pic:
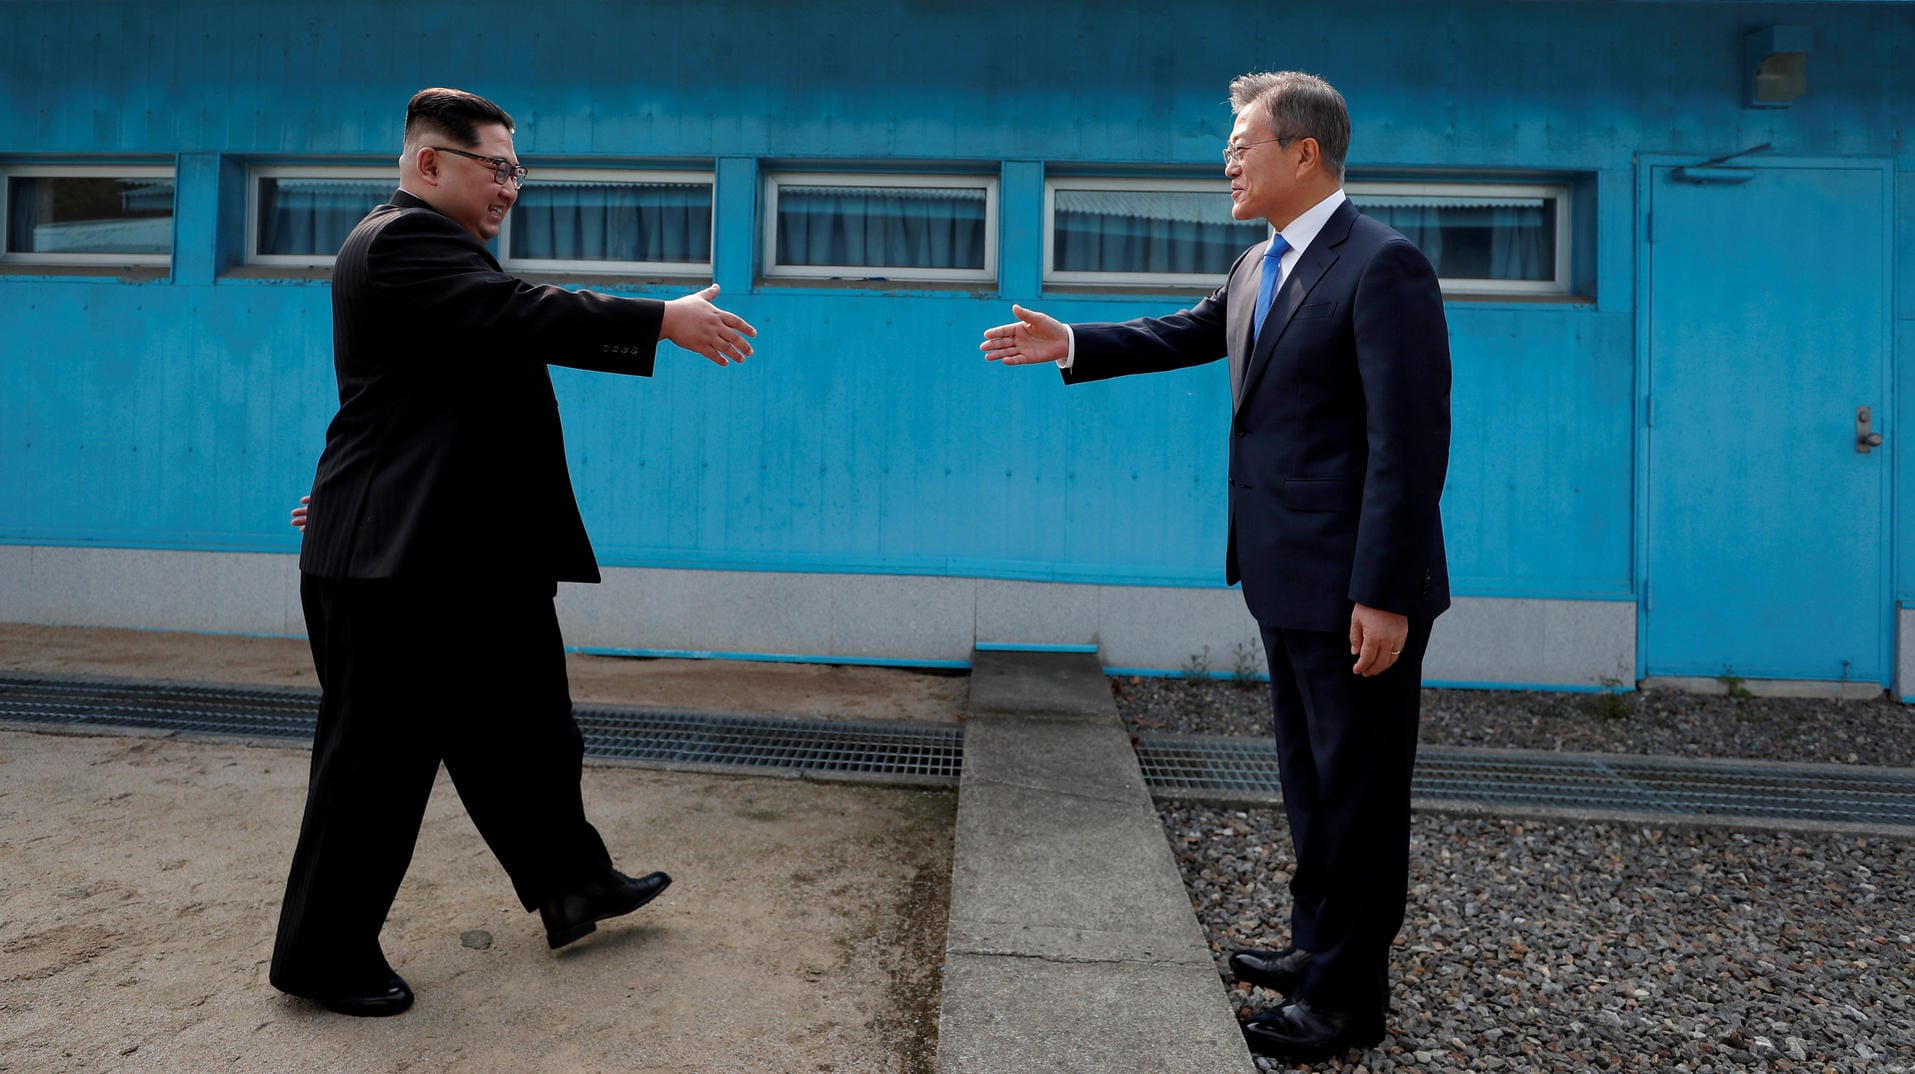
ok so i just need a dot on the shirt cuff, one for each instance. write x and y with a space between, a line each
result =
1070 350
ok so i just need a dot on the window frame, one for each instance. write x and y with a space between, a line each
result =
775 181
1179 281
1559 191
8 173
259 172
630 176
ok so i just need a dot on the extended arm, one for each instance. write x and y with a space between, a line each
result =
1114 349
1144 345
426 265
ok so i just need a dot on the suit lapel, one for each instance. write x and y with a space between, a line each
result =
1316 260
1241 302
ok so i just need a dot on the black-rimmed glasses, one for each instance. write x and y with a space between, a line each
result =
502 169
1233 154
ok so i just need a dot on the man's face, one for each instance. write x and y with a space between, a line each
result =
1264 181
467 190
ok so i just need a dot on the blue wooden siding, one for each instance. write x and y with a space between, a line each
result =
868 435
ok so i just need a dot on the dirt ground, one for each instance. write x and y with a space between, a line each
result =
140 879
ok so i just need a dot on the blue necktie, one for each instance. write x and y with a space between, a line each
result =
1267 287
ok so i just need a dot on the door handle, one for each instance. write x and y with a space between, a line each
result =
1865 440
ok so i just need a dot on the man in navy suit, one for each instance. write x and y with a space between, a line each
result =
1339 439
441 520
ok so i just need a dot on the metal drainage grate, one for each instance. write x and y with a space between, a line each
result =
1174 767
815 747
213 710
1198 767
908 752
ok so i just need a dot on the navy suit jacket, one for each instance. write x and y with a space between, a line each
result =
1340 425
446 458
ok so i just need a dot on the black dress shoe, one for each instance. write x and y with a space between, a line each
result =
1281 971
569 917
394 998
1300 1033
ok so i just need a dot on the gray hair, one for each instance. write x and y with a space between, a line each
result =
1298 105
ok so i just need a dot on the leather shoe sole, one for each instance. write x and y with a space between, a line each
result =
1280 971
576 915
395 998
1310 1036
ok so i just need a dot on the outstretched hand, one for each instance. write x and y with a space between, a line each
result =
299 513
695 324
1034 337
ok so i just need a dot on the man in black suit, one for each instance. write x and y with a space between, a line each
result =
1340 377
442 518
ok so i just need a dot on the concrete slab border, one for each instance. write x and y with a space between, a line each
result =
1072 945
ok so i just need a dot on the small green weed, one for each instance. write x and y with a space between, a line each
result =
1732 684
1197 667
1608 703
1245 673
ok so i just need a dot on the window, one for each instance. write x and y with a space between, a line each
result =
881 227
1142 232
576 220
301 216
1483 238
87 215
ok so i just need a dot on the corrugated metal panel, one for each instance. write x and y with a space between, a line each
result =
868 435
1466 83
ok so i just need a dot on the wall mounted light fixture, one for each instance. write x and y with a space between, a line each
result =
1775 65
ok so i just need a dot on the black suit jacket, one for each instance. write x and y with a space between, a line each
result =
1340 424
446 457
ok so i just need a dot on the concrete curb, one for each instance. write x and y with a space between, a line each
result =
1072 945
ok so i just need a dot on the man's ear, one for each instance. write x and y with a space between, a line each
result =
426 164
1309 155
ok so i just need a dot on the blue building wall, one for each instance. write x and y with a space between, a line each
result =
187 410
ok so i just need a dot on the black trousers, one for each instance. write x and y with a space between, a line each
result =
1346 748
413 673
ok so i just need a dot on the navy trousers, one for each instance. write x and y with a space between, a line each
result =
1346 747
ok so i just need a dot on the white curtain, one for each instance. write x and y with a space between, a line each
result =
613 221
881 227
1150 231
313 216
1474 238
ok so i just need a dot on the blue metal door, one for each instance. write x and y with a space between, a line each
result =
1765 529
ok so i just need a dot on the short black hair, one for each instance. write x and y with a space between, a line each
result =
451 114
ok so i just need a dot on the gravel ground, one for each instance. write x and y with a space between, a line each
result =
1567 946
1663 722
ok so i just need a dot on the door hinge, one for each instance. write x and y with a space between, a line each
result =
1648 411
1648 597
